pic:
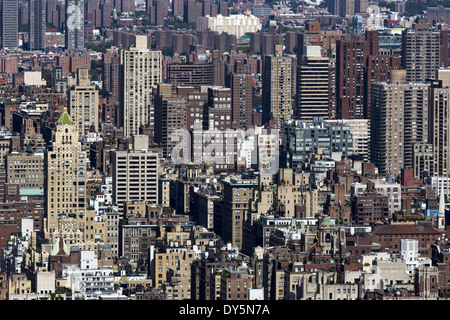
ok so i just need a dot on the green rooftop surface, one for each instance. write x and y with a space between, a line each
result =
65 118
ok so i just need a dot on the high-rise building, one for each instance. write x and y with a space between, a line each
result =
377 69
314 36
83 104
301 138
343 8
106 12
182 42
157 11
65 175
10 23
197 74
291 41
420 52
135 173
277 87
438 15
170 115
264 42
26 169
230 214
37 24
141 69
196 107
126 6
399 122
439 124
219 108
74 24
445 46
350 60
326 39
111 74
192 10
360 131
178 8
240 84
313 86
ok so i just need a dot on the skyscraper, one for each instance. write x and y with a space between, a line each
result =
65 173
170 115
241 95
135 173
313 86
141 69
74 24
420 52
326 39
10 23
37 24
231 213
377 69
277 87
350 60
439 124
83 104
111 74
178 8
399 122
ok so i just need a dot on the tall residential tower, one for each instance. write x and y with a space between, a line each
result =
141 69
277 87
83 104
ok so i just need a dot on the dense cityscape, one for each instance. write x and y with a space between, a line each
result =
224 150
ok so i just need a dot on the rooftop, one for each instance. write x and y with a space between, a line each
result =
65 118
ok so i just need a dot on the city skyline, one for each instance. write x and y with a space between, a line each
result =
210 150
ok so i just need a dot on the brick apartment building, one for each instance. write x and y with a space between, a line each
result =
390 235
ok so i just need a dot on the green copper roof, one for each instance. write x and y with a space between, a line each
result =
326 220
57 247
65 117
